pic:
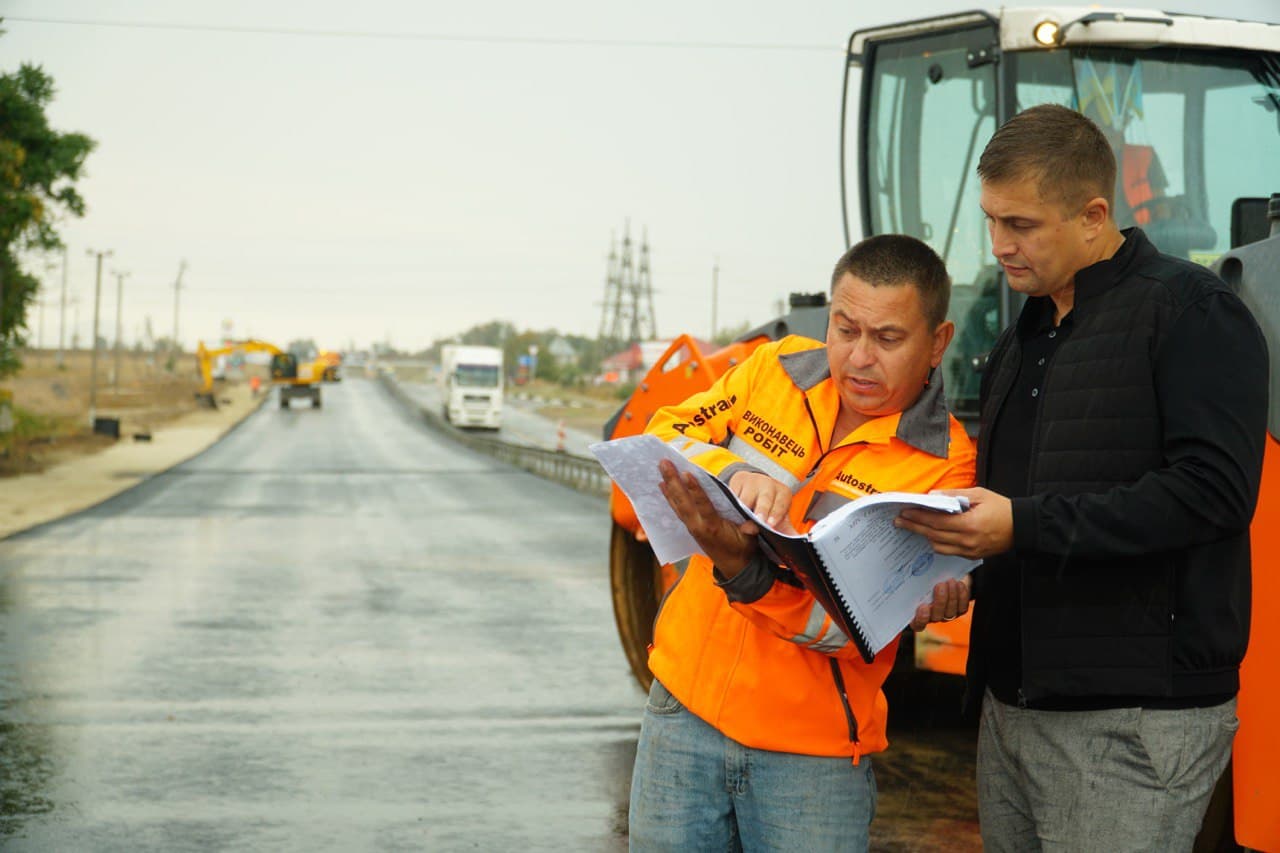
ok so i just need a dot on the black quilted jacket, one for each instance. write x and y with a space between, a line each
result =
1133 547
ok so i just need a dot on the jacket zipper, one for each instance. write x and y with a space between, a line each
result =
1035 441
1031 457
836 675
817 434
984 448
844 699
822 452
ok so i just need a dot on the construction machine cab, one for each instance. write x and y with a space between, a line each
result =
284 365
1191 107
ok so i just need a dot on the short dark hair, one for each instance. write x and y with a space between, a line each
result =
895 260
1066 154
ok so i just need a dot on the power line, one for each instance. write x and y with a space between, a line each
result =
541 41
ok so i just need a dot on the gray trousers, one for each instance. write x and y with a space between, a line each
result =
1125 779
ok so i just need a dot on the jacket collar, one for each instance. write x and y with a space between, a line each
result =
925 424
1095 279
1100 277
807 367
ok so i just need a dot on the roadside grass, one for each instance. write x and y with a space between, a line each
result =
23 450
51 394
586 408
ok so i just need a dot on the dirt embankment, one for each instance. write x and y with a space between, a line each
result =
51 403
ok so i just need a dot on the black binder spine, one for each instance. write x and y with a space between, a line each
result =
803 559
849 623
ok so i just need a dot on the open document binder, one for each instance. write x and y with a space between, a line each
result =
867 574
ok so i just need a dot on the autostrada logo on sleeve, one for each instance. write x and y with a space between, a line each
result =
706 414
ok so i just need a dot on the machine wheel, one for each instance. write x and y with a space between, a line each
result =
635 579
315 400
284 401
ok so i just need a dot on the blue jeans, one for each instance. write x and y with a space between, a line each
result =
694 789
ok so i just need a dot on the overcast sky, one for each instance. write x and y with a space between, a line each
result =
359 187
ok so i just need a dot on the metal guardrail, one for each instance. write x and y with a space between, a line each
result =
585 475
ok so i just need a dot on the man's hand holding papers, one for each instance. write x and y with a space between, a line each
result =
729 546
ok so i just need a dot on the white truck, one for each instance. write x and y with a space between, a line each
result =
471 385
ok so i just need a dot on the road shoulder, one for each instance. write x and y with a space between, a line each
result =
77 484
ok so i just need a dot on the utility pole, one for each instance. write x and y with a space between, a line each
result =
630 329
628 297
177 288
115 367
93 359
75 322
643 290
42 302
611 318
715 286
62 313
40 316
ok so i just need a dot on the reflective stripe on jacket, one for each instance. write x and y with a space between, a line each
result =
756 656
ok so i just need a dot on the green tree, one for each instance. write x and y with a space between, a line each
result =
491 334
514 344
38 171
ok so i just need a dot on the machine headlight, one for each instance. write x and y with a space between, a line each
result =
1047 33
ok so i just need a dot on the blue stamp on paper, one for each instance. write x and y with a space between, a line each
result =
921 563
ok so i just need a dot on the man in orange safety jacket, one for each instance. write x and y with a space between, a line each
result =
762 712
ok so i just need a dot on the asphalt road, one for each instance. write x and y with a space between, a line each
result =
335 630
331 631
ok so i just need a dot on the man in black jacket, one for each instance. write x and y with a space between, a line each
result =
1123 425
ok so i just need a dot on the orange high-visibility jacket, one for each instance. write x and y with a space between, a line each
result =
757 657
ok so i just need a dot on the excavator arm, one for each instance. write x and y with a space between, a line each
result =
206 357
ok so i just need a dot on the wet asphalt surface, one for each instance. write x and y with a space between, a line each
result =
331 631
335 630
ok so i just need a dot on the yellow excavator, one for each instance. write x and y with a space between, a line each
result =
292 380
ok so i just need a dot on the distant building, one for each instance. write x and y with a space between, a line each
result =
563 354
634 362
622 366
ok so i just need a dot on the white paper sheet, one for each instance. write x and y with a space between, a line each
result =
632 462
